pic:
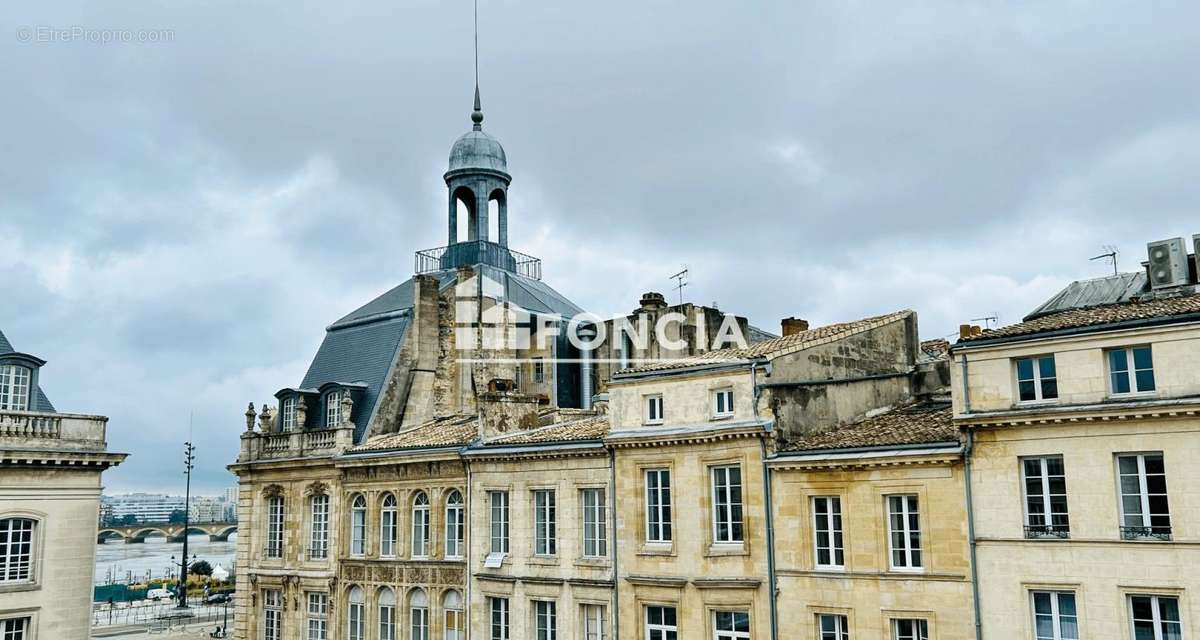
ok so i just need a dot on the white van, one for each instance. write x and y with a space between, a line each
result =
159 594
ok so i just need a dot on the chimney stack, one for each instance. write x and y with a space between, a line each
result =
792 326
652 300
969 330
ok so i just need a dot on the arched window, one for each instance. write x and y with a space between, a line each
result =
333 409
14 387
455 524
420 525
274 548
387 527
418 614
358 526
16 550
355 615
318 548
452 604
387 614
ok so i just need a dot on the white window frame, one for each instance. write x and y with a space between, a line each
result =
275 516
387 614
318 527
16 383
1044 497
545 539
272 614
652 408
545 619
19 558
498 618
333 409
498 521
1130 372
662 630
317 615
418 615
1037 379
910 565
539 370
730 634
454 619
722 403
919 629
833 530
388 526
1143 495
728 504
841 626
455 524
356 614
594 505
358 526
420 525
595 621
1056 616
659 525
287 413
1156 612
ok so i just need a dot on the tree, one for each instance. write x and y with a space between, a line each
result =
177 516
127 519
201 568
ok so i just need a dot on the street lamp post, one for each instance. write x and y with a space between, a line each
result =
188 459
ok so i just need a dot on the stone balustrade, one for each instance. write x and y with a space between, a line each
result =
34 429
257 445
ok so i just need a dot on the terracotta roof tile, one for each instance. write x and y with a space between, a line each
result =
1096 316
777 346
591 427
447 431
922 423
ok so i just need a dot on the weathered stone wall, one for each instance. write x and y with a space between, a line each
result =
687 399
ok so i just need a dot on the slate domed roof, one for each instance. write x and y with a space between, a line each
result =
477 150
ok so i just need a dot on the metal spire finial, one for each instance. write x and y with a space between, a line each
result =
477 114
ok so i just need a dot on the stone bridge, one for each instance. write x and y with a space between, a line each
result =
216 531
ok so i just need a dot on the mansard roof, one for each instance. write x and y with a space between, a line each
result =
913 424
39 401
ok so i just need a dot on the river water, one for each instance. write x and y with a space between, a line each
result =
115 560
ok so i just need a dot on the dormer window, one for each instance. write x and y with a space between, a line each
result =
333 408
287 412
14 387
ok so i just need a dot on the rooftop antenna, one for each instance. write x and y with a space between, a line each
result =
988 321
680 281
1110 254
477 114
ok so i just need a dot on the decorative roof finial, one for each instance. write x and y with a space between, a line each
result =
477 114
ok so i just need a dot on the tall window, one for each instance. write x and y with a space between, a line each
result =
387 526
658 505
1045 498
1144 509
832 627
1036 379
1155 618
539 370
661 624
594 622
272 614
722 403
654 409
1054 616
595 530
14 387
318 548
318 616
731 625
418 615
358 526
456 524
274 527
727 504
498 507
355 614
904 529
287 414
499 613
545 614
910 629
420 525
544 523
16 550
333 409
14 629
452 606
827 532
1131 370
387 614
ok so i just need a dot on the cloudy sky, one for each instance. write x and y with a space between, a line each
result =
180 220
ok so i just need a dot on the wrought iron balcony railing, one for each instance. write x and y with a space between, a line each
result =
1047 531
472 252
1145 533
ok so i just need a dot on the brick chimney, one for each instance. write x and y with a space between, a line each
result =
792 326
969 330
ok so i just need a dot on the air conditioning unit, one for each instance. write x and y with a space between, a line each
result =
1168 263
